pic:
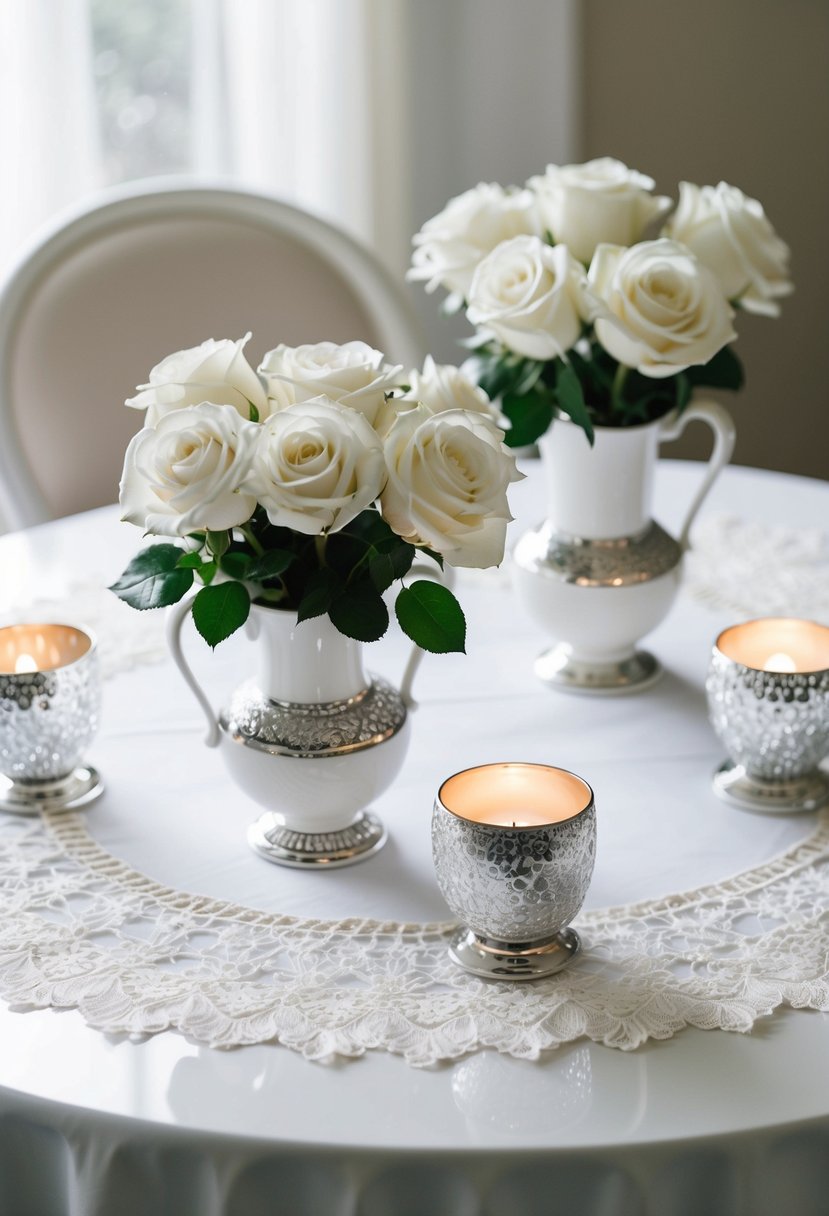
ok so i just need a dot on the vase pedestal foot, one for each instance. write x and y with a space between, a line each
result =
800 794
324 850
562 669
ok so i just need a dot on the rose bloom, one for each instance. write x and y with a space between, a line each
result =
600 202
531 297
730 234
184 475
440 387
214 371
316 465
450 245
448 476
666 311
353 374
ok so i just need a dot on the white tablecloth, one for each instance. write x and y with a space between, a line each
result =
742 1116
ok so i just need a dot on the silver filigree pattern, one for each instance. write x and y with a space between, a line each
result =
620 562
776 725
48 719
510 884
325 729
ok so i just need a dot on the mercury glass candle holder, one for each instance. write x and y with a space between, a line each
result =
514 847
50 699
768 701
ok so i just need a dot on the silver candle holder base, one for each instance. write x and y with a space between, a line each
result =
513 960
560 668
797 795
324 850
28 797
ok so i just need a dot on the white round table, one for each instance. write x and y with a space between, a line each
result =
703 1123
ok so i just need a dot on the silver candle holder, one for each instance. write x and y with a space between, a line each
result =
768 701
514 847
50 700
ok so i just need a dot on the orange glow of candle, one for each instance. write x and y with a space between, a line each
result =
516 795
30 648
777 644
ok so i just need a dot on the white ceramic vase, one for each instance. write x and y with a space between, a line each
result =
311 738
599 573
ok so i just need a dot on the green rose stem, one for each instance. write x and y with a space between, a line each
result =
617 403
319 544
257 547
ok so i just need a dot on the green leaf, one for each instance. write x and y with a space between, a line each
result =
218 543
723 371
529 415
320 589
496 375
360 613
254 412
189 561
235 563
570 396
436 557
208 572
431 616
270 565
385 568
153 579
219 611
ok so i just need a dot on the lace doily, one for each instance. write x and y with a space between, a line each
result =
126 638
79 929
754 570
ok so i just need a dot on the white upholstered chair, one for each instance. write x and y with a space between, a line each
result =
113 288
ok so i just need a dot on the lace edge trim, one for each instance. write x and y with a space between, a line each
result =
70 831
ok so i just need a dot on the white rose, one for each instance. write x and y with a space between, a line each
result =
214 371
185 474
353 374
440 387
666 310
448 476
601 202
531 297
731 235
450 245
316 466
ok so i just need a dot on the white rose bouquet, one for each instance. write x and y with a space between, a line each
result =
575 311
311 485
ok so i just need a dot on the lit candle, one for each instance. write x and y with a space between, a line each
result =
31 648
777 644
516 795
50 694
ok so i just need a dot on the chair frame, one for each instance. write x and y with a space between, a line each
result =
381 297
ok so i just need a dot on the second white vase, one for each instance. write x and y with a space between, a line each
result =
599 573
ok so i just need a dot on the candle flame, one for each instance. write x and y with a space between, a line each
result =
779 662
24 663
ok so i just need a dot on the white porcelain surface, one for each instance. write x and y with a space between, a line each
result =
172 811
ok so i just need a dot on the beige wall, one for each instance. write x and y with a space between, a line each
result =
739 90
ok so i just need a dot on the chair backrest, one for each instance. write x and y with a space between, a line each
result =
112 289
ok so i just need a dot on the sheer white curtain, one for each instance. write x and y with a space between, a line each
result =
49 147
301 98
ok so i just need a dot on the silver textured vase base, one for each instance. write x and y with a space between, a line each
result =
308 850
734 785
82 786
561 669
528 961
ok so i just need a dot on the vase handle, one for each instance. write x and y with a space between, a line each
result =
176 616
717 417
446 576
